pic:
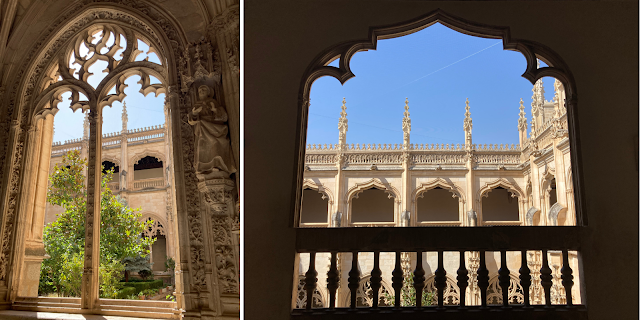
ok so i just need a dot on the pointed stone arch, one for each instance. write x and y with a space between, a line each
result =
148 152
33 97
512 187
438 182
354 191
320 187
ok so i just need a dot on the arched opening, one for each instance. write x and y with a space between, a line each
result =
500 205
315 207
115 177
437 204
372 205
148 173
91 190
553 195
470 164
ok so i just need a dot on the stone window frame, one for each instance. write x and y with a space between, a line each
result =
326 193
446 185
37 111
375 183
515 192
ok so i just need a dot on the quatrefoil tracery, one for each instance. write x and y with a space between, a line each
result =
124 54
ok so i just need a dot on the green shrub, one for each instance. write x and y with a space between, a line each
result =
110 275
125 293
144 285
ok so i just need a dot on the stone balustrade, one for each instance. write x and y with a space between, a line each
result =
148 183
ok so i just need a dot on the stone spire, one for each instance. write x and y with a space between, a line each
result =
343 125
467 125
85 125
406 124
538 99
522 121
125 117
522 124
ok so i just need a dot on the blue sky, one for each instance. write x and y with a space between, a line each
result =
142 111
437 69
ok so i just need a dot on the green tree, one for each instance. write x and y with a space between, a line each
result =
408 294
120 226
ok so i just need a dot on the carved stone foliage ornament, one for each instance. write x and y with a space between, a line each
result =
213 149
218 195
63 66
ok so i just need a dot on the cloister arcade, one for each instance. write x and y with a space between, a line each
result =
443 186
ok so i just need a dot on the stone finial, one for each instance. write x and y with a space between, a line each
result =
125 118
406 124
343 124
537 97
522 121
85 125
468 124
557 104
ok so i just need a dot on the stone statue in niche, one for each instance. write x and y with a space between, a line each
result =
213 149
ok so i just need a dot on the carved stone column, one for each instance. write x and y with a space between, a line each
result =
34 252
221 221
92 220
225 28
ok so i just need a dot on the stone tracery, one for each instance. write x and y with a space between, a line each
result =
45 69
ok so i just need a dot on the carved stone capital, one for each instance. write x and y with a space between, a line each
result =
218 195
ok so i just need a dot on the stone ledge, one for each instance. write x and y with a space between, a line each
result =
20 315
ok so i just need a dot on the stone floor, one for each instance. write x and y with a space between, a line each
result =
20 315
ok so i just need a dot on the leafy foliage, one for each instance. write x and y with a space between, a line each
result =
110 275
120 229
408 294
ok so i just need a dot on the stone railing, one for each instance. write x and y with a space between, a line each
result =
61 151
111 143
148 183
146 137
114 186
475 242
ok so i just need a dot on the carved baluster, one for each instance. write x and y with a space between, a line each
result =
310 280
504 278
376 279
440 279
333 280
463 279
567 276
397 279
545 278
418 280
525 277
483 279
354 279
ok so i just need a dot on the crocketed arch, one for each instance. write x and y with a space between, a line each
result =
501 182
151 153
358 188
111 159
56 77
321 188
438 182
